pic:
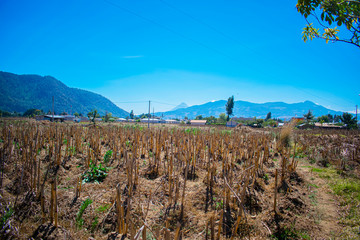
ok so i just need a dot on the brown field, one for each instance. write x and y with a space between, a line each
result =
125 181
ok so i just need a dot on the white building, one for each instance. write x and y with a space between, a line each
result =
172 121
198 122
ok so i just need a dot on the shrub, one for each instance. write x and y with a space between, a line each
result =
95 173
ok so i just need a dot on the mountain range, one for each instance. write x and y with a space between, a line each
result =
22 92
248 109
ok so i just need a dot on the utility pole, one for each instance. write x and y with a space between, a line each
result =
153 115
356 115
149 116
53 109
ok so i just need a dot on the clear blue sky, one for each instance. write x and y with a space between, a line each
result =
132 51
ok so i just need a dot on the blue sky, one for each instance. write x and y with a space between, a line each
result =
169 52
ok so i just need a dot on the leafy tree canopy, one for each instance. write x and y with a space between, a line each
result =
210 120
200 117
222 118
324 118
93 114
327 13
32 112
349 120
107 117
5 114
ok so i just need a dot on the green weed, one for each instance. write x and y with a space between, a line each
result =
79 220
94 224
6 216
313 185
95 173
103 208
266 177
108 156
313 199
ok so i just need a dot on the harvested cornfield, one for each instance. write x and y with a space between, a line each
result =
113 181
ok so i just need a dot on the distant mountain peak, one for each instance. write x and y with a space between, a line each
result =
181 105
248 109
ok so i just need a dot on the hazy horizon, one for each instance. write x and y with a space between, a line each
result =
171 52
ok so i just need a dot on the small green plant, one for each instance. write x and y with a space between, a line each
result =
285 233
108 156
266 177
103 208
304 235
313 185
79 219
219 205
95 173
94 224
72 150
312 197
6 216
127 143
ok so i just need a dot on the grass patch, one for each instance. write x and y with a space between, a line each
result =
318 170
348 188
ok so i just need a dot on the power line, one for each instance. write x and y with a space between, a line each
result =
202 44
171 30
205 24
235 40
165 103
132 102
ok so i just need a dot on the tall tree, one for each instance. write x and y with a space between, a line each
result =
349 120
132 114
268 116
309 116
107 117
229 107
325 13
92 115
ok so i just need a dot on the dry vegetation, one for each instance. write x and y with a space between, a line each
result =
70 181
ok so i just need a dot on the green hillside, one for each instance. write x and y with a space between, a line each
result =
21 92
